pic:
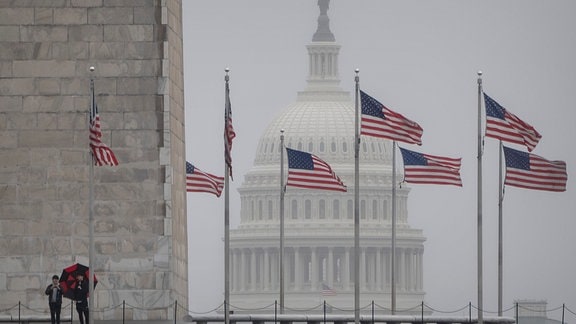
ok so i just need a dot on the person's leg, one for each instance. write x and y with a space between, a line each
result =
57 310
52 314
86 315
80 315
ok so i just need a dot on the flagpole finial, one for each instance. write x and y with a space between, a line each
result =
92 69
479 73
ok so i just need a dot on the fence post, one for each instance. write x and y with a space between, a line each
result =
563 306
516 313
123 311
175 310
422 312
324 312
19 313
275 311
372 311
469 312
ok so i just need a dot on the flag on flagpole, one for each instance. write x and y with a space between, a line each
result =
229 133
530 171
306 170
379 121
327 291
430 169
505 126
200 181
101 152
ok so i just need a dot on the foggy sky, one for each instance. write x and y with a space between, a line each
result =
419 59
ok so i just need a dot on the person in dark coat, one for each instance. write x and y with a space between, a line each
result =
54 292
81 298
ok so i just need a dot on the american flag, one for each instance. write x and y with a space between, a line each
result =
306 170
229 133
379 121
101 152
430 169
199 181
530 171
505 126
327 291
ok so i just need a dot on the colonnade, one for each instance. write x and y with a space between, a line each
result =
309 268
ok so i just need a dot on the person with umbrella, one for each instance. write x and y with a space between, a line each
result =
54 292
81 297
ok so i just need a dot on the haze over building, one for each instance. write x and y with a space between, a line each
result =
319 225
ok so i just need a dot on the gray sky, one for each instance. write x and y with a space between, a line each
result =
419 58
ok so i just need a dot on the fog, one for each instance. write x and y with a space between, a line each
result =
419 58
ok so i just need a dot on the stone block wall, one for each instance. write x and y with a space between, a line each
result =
46 49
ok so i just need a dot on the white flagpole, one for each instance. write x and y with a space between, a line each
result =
281 251
393 256
91 251
226 211
500 224
356 202
479 200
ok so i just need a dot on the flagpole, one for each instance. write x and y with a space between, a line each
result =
356 201
479 200
281 251
393 256
91 251
500 217
226 210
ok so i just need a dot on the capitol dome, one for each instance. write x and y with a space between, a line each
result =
319 224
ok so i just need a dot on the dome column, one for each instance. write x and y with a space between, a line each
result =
378 269
252 269
346 269
330 265
297 269
266 269
314 269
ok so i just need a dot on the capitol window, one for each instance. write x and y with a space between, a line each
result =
322 209
260 210
350 209
308 209
336 208
374 209
270 212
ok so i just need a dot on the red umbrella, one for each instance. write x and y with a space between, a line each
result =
68 278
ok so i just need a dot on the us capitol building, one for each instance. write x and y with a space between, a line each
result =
319 225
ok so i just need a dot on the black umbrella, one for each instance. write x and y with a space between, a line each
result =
68 278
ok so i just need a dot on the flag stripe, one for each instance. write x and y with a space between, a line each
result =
101 153
200 181
505 126
229 133
327 291
305 170
530 171
379 121
431 169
